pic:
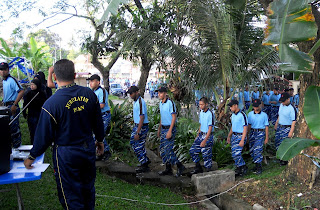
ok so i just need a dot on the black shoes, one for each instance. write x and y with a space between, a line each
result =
143 167
167 171
197 170
180 169
241 171
106 155
258 169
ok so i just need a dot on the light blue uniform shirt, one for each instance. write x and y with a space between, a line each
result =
11 88
276 98
258 121
266 99
206 119
287 114
240 96
296 100
238 121
198 94
100 95
140 108
255 95
246 95
167 109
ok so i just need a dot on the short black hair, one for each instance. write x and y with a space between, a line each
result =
64 70
204 100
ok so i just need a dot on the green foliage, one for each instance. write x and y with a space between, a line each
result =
311 110
289 148
154 121
121 126
291 21
221 152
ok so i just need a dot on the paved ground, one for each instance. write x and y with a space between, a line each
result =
147 98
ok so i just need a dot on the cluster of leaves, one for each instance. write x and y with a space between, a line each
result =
120 126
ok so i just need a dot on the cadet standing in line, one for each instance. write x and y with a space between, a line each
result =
266 106
167 131
12 94
102 95
246 95
291 90
204 140
237 137
140 129
296 99
274 101
286 121
68 119
241 100
259 133
255 94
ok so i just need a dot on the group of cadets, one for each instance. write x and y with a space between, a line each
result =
75 119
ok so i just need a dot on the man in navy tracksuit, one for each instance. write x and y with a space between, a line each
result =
68 119
286 121
12 94
167 131
140 129
102 95
237 137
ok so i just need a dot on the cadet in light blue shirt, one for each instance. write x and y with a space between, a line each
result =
266 106
255 94
237 137
12 94
274 101
204 140
241 100
296 99
102 96
140 129
286 121
246 95
167 132
259 134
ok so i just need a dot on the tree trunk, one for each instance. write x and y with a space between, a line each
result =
301 168
145 69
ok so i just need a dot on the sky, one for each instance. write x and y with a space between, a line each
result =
65 30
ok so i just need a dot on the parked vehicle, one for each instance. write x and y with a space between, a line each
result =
116 89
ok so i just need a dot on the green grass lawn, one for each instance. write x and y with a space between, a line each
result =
42 194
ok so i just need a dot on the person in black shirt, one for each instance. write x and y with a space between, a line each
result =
34 107
68 119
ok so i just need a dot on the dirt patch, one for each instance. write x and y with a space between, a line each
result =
277 193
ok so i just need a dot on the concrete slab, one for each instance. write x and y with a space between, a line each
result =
213 182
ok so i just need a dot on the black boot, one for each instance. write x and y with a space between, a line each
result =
167 171
208 169
180 169
198 169
143 167
244 170
238 171
283 163
258 169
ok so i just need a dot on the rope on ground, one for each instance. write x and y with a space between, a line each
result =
313 159
175 204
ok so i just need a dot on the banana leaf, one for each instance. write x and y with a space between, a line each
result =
289 148
291 21
311 110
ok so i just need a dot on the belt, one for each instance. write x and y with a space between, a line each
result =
267 105
258 129
247 101
284 126
202 133
144 124
165 126
8 103
235 133
106 112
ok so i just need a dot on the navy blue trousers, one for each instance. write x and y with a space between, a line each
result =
138 146
206 151
237 150
15 129
166 147
256 141
75 172
274 114
267 110
281 134
106 118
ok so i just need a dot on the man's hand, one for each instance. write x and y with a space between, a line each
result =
100 148
28 163
158 133
136 137
203 143
13 110
290 134
241 144
51 70
275 127
169 135
228 140
266 141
